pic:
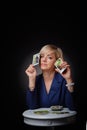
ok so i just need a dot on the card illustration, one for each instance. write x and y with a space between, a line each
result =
36 58
58 63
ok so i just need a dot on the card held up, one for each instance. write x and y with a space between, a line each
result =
58 65
36 58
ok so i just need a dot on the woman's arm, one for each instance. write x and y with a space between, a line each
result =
31 73
32 99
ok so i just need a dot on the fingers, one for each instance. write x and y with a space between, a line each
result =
63 68
65 65
30 69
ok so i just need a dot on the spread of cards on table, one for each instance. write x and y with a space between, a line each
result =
36 58
53 110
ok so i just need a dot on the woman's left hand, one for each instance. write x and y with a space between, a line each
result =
67 72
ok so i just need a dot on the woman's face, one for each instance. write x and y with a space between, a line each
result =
47 60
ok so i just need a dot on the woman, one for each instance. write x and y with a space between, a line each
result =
50 87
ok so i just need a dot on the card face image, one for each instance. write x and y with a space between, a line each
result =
58 63
36 58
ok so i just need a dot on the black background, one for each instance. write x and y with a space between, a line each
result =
24 36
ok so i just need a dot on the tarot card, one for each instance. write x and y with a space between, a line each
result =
58 63
36 58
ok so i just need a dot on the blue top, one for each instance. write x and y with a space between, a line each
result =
58 94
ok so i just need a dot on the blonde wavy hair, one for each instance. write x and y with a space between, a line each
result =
56 50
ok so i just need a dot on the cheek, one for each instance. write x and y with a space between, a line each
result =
51 64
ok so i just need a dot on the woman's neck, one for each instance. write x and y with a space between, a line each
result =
48 75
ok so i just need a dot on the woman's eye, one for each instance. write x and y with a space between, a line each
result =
49 57
41 56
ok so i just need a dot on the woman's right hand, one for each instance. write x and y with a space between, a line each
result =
31 73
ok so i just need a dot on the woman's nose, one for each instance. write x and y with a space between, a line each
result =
44 58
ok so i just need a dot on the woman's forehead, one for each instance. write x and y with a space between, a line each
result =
48 52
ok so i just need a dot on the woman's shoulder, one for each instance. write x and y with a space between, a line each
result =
59 77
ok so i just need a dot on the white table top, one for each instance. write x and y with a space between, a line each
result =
52 118
50 115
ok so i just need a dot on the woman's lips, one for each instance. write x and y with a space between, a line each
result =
42 64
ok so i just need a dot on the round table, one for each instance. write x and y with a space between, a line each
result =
51 118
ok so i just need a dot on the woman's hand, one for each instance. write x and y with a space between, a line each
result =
31 73
67 74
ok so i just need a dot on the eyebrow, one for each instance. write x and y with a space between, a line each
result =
48 53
